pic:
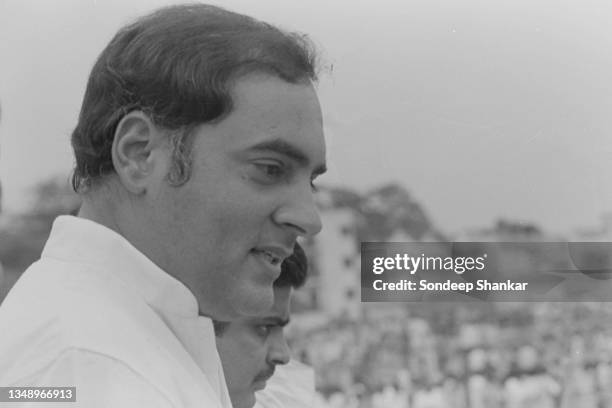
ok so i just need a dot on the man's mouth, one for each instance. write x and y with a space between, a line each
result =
267 256
272 255
261 379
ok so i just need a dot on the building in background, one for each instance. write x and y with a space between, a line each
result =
385 214
338 263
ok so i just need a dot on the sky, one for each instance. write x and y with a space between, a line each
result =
481 108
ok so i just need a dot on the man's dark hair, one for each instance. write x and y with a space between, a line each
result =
178 66
294 271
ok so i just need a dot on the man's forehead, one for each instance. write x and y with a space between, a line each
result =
279 313
272 115
267 95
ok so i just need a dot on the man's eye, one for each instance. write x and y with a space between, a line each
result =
271 171
263 330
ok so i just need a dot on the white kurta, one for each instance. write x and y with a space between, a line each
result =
97 314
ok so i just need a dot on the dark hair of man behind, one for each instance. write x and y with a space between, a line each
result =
177 66
294 269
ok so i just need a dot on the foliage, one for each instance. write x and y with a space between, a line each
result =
385 212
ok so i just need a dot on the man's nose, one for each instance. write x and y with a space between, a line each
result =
279 351
300 213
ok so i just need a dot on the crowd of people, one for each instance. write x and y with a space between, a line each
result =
538 355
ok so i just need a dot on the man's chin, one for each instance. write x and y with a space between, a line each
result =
246 400
254 300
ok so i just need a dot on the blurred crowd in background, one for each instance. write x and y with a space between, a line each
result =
531 355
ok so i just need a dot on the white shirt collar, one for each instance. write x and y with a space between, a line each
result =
96 244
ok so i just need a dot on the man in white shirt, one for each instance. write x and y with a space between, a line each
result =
197 143
254 350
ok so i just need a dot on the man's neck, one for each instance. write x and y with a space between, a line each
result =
93 211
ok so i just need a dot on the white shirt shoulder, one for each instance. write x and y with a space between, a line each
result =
100 382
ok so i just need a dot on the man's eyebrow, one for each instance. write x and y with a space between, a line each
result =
287 149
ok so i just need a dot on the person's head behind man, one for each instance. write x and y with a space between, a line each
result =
198 140
250 347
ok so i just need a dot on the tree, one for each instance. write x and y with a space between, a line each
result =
391 209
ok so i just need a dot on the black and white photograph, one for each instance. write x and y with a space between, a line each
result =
318 204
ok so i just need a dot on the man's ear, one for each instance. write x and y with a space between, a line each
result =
137 151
